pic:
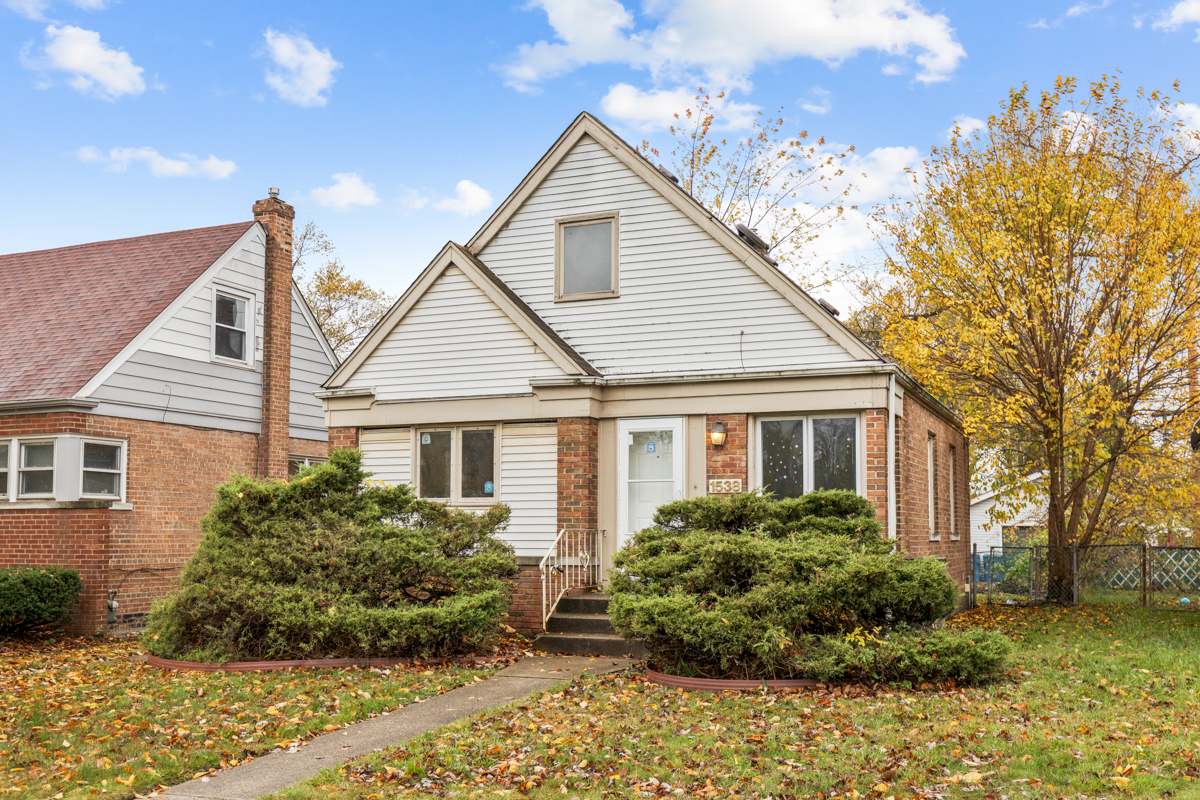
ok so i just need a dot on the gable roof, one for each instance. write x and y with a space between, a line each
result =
69 311
587 125
513 307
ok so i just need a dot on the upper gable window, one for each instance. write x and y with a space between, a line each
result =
586 255
231 334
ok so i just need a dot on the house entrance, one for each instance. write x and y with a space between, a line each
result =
649 470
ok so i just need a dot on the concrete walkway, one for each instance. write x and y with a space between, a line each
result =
279 770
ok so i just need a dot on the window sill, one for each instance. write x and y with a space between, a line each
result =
231 362
22 505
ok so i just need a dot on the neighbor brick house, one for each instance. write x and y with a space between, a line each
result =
137 375
574 359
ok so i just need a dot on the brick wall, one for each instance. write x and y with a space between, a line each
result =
875 471
732 459
525 613
276 217
171 473
343 438
578 468
912 489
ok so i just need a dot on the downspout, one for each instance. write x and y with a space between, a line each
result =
891 456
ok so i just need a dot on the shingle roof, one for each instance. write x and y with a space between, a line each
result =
67 312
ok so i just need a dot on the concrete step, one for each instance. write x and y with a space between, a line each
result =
591 603
589 644
579 623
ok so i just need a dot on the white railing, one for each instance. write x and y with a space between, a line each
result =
572 562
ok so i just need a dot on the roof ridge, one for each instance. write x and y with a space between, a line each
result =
63 248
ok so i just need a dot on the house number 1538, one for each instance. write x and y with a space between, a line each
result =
725 486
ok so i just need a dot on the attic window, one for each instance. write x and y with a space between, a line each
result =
586 255
232 314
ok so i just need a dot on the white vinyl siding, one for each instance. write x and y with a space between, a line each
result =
311 367
685 300
173 378
529 485
528 477
388 454
454 342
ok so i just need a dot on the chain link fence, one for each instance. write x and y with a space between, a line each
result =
1130 574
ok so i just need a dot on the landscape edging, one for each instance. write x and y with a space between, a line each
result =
724 685
265 666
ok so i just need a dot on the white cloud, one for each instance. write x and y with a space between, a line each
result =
94 67
1182 13
1082 7
724 41
185 166
893 69
656 109
411 199
305 73
348 189
967 126
469 199
1041 23
1189 114
36 9
818 101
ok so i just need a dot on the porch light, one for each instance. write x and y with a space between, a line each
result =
718 434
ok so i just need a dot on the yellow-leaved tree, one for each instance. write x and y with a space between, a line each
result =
787 189
1046 286
346 308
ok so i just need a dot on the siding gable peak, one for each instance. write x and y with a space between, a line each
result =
454 263
588 126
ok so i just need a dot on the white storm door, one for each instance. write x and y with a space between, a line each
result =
650 459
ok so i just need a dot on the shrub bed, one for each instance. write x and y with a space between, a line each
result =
326 565
749 587
36 597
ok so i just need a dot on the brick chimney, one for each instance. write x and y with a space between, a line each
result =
276 218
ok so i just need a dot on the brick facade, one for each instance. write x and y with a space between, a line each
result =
875 470
343 438
171 472
578 473
525 611
732 459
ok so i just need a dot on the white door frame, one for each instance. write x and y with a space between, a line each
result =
678 428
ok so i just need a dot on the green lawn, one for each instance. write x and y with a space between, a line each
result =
79 717
1100 702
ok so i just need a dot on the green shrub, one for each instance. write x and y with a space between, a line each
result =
36 597
326 565
750 587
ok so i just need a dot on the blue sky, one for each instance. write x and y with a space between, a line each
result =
396 126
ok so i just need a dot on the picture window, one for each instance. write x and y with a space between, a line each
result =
457 465
804 454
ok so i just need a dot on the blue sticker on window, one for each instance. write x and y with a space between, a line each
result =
489 487
649 447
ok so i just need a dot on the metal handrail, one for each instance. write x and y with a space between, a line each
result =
572 562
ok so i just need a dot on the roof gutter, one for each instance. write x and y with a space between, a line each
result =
55 405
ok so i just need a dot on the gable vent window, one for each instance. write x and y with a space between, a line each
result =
37 469
586 255
231 331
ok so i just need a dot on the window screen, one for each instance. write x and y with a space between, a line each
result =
434 455
37 468
230 331
783 457
587 263
479 463
101 469
834 454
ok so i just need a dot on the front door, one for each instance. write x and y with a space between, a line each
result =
650 459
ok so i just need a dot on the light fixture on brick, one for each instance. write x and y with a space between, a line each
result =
718 434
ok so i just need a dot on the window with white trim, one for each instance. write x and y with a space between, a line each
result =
297 463
4 447
36 470
103 470
931 481
587 253
232 328
457 464
802 454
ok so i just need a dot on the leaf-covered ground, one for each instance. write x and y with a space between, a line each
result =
1100 703
80 717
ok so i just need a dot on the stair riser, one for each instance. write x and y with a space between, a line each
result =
596 624
583 604
583 646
